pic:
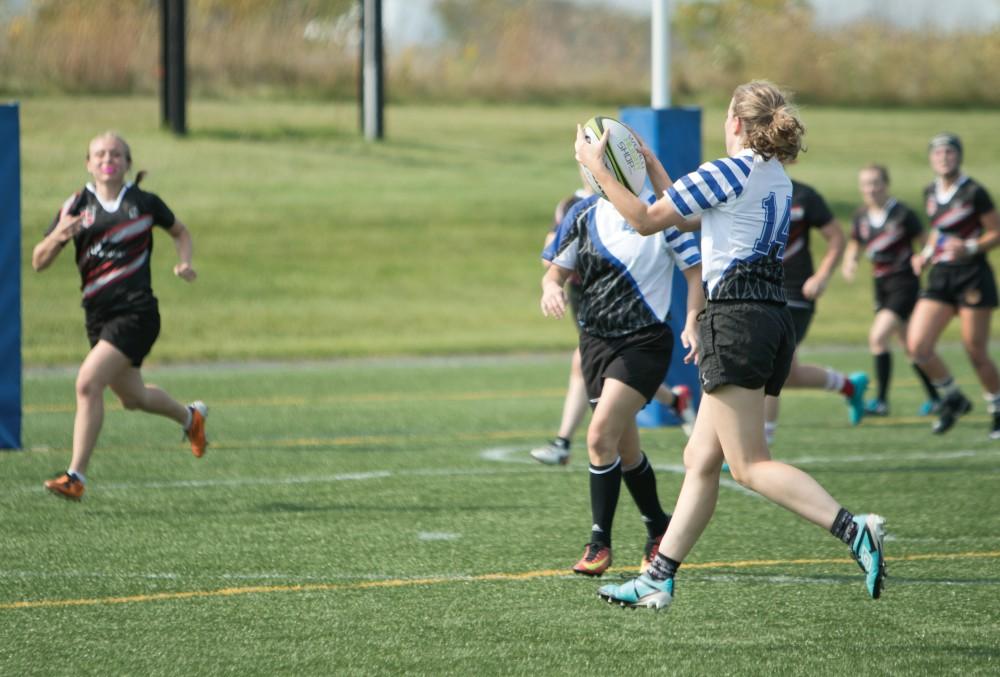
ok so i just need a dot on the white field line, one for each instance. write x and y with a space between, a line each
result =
292 579
508 455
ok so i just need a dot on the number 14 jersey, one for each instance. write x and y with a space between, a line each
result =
744 202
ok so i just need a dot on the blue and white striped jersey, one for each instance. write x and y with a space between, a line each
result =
627 278
744 202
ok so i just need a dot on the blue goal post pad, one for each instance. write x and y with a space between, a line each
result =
674 135
10 277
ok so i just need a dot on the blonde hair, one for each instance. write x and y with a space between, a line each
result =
771 124
128 150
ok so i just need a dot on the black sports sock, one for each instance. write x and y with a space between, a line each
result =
929 388
844 527
662 568
605 485
641 483
883 372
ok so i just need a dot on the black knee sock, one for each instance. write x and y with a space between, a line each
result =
932 393
605 485
662 568
641 483
844 527
883 372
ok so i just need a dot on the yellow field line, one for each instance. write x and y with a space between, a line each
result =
301 401
409 582
354 440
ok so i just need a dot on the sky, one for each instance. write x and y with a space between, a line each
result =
910 13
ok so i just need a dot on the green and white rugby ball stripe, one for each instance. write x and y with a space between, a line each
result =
621 157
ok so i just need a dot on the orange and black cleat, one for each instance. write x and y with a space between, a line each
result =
196 431
595 561
66 486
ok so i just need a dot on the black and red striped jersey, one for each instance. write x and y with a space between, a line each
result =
115 244
809 210
956 212
887 236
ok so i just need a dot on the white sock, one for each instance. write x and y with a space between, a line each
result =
187 426
946 387
770 428
992 402
834 380
77 475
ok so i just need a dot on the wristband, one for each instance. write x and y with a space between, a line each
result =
972 246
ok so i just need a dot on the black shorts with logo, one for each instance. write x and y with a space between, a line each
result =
966 285
639 360
746 343
132 332
897 292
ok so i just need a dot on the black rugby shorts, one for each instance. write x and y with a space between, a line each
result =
639 360
132 333
747 344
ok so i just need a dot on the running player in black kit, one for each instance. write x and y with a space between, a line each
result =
964 226
804 284
885 229
110 223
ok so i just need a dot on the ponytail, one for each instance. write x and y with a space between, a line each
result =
770 122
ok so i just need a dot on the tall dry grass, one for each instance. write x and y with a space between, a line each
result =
511 50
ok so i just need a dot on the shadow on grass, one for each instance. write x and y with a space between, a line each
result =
273 133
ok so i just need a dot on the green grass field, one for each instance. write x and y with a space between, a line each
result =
311 243
383 517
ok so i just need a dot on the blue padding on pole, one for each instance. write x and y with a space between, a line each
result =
674 134
10 278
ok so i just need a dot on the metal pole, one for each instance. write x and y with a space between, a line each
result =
164 62
372 98
177 67
661 54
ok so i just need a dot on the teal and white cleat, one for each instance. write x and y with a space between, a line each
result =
856 402
640 592
868 552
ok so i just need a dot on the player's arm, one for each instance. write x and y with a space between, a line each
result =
832 232
920 260
990 236
646 219
851 255
549 238
695 304
553 298
48 249
185 250
658 177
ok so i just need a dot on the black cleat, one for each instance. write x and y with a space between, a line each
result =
952 407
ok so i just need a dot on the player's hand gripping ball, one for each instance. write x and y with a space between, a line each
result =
622 156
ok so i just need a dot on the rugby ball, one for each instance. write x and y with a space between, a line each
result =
621 157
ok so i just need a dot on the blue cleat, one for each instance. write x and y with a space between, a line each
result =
856 402
876 407
868 553
930 407
640 592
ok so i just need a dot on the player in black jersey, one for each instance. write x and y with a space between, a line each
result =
964 226
110 223
804 284
885 230
575 403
